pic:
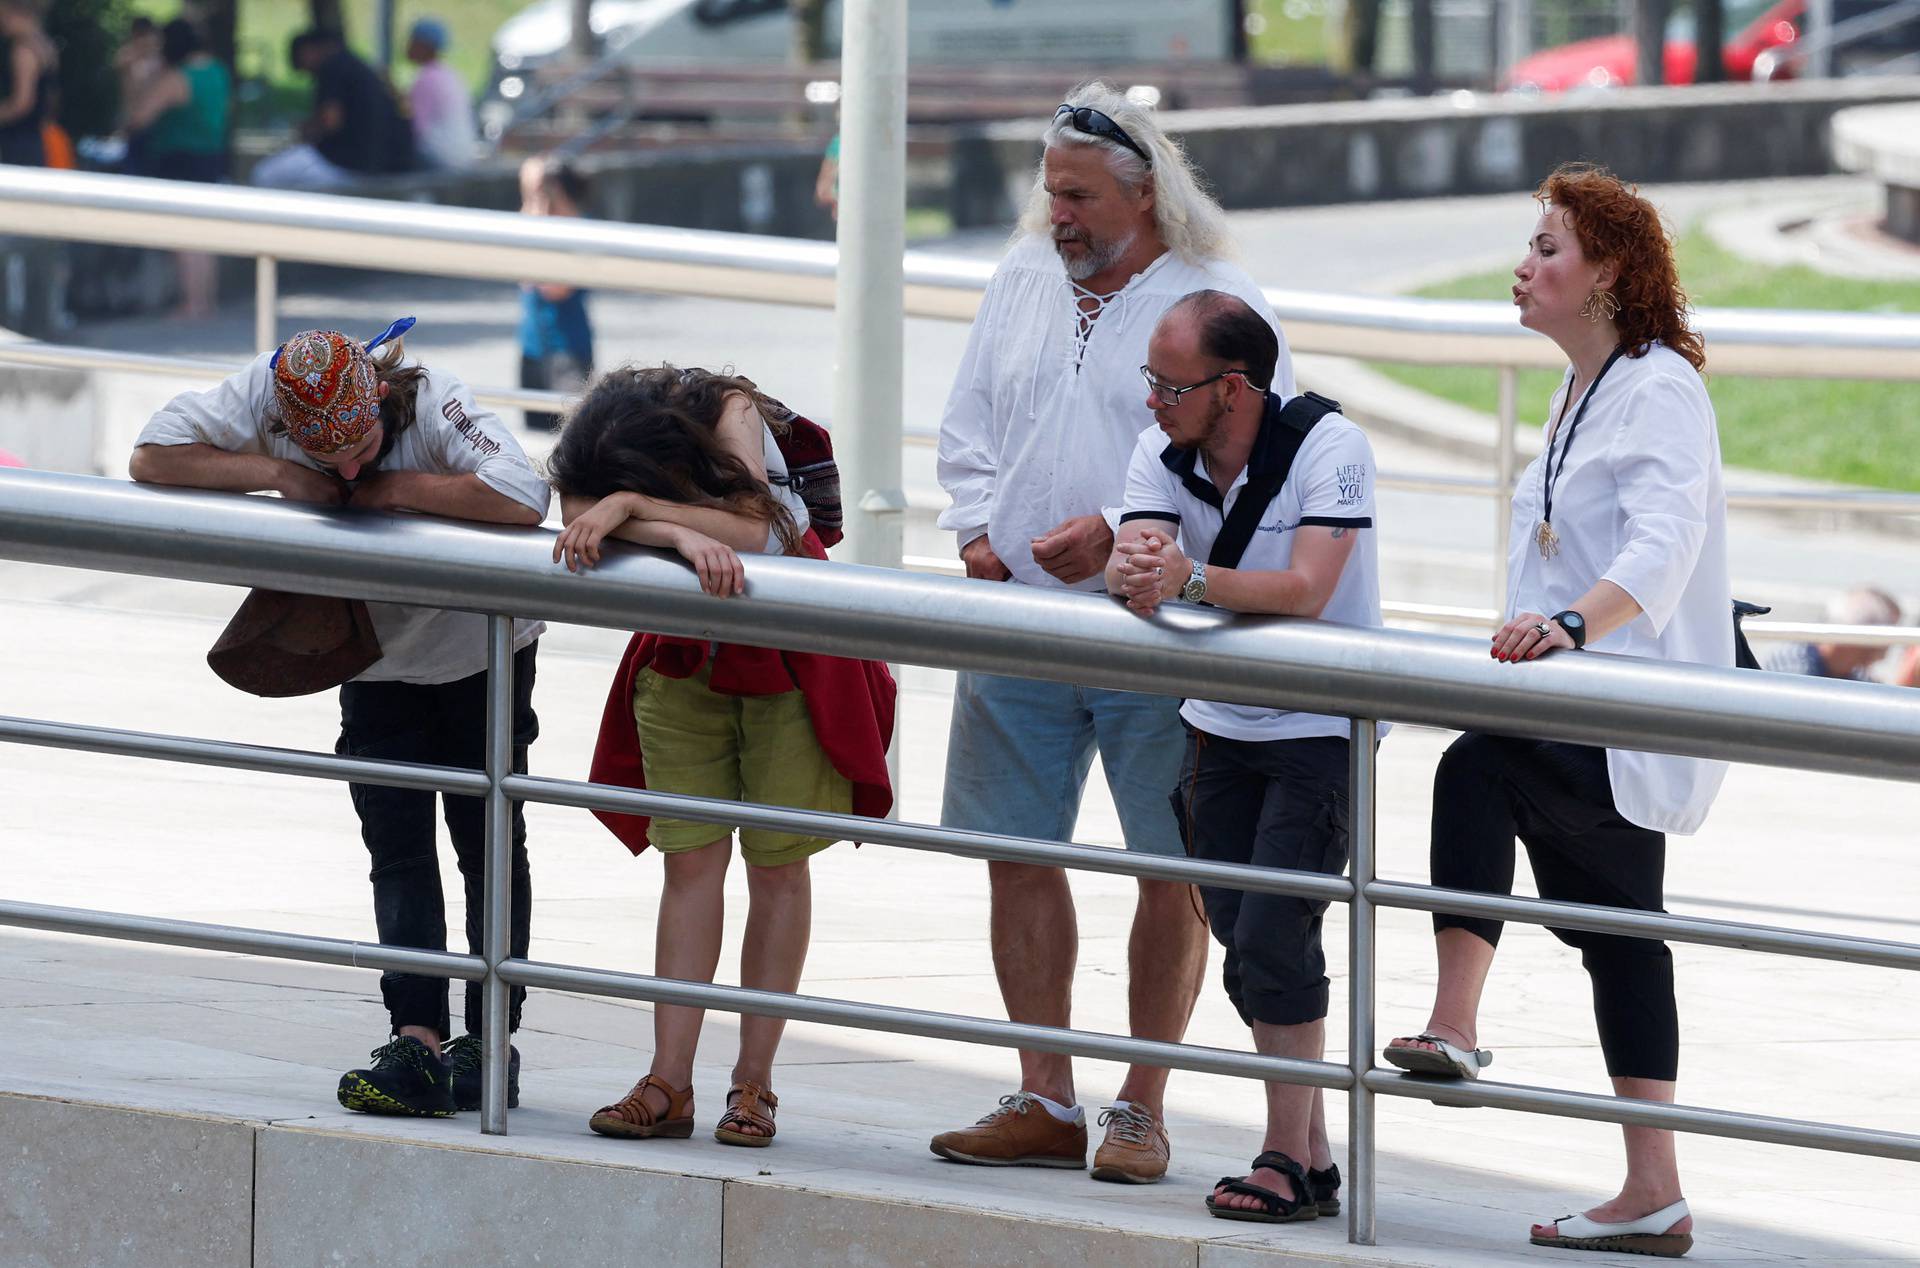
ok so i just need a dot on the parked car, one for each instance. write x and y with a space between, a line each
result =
1761 36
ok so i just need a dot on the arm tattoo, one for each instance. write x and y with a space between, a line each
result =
1338 533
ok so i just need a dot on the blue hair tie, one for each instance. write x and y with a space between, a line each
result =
398 328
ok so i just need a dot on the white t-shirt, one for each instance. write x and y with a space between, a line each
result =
450 435
1639 503
1039 425
1330 485
782 493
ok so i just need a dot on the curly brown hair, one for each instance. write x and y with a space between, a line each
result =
1617 226
652 430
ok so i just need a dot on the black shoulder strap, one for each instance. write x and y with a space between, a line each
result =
1297 417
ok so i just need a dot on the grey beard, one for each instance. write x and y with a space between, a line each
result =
1098 259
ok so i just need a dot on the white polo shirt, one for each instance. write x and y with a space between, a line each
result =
1330 484
450 435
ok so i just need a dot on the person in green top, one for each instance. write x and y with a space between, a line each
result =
180 116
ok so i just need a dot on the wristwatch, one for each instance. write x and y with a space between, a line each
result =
1195 591
1574 624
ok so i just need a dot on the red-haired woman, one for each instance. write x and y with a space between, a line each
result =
1618 545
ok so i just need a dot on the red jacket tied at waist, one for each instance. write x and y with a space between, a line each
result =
851 704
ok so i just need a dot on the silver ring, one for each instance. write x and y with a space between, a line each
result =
1543 630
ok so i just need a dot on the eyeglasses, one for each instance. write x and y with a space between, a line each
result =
1094 123
1169 396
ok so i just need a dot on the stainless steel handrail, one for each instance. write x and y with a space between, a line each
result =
465 242
806 605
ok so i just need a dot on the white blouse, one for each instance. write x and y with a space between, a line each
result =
1639 503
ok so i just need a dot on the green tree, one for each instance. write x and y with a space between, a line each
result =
809 30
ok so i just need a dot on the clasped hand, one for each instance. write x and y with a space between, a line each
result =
717 564
1151 569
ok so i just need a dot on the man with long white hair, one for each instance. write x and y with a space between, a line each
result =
1034 444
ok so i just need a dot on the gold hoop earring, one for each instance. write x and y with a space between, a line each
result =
1601 306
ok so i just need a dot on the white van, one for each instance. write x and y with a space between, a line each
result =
748 32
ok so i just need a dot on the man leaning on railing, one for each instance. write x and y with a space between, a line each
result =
1248 498
324 421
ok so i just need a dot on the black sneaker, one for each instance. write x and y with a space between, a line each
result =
464 1067
405 1078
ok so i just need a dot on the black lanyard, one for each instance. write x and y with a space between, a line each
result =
1547 473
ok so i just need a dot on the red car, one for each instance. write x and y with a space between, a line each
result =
1757 27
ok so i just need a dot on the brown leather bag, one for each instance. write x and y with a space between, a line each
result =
281 644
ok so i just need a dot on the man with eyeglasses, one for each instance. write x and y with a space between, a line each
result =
1033 452
1254 500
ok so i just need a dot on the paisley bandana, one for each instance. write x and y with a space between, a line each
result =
325 387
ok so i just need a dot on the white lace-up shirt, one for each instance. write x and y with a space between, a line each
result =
1041 422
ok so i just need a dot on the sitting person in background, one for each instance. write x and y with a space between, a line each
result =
356 129
442 108
180 115
689 460
1862 605
556 338
29 77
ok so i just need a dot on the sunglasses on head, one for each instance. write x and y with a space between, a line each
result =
1094 123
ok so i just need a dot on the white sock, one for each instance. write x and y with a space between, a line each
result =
1065 1113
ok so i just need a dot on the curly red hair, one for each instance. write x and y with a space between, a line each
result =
1617 226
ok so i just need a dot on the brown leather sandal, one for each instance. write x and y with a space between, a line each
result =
744 1105
632 1118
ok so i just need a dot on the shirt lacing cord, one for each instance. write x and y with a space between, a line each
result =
1084 317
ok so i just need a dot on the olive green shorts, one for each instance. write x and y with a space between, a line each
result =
701 743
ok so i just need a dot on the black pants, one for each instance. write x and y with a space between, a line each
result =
442 724
1557 798
1276 803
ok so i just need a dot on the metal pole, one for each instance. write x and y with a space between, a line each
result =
498 915
1504 459
1360 984
266 298
1519 32
1819 34
869 294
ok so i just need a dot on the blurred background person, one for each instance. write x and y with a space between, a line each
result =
180 114
443 132
1862 605
556 338
356 129
30 65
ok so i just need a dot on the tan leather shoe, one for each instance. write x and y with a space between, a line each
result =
1135 1150
1021 1133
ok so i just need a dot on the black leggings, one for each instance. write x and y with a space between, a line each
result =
1557 799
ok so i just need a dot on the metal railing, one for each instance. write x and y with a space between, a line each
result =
804 605
275 225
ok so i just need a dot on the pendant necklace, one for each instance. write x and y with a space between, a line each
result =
1544 537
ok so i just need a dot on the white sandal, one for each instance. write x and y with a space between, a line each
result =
1448 1063
1647 1235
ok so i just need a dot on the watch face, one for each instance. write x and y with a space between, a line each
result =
1572 621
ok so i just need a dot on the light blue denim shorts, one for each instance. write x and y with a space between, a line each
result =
1019 753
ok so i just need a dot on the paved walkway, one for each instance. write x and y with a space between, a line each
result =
161 1028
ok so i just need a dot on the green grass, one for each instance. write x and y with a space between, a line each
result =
1290 30
1831 429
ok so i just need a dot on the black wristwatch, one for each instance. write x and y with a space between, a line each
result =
1574 624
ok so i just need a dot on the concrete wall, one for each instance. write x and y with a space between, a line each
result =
1284 156
118 1188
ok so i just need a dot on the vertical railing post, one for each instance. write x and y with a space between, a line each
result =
869 290
496 920
1504 460
266 302
1360 983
